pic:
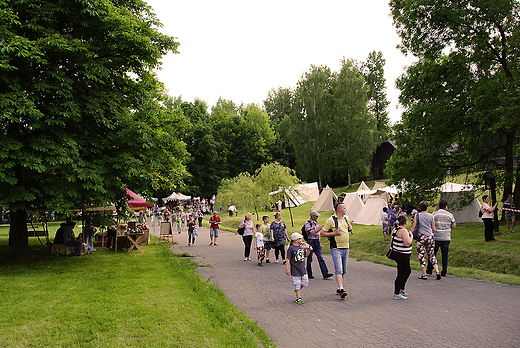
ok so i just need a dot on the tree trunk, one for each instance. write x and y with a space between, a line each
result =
18 238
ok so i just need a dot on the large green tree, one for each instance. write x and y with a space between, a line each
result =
332 132
279 104
80 111
373 70
461 97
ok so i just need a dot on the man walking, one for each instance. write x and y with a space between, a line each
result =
313 230
336 228
444 222
213 228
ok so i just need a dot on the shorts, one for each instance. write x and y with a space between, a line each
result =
300 282
213 232
340 257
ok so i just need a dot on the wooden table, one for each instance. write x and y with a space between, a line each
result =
130 240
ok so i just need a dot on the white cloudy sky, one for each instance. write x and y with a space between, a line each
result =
240 50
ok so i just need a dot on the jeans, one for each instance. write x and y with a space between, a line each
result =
340 257
77 244
403 271
247 244
445 247
316 249
191 237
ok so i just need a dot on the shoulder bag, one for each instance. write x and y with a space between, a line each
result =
415 231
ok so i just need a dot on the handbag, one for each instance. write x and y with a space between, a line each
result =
391 253
241 230
195 233
415 231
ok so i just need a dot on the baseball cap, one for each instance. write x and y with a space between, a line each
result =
295 236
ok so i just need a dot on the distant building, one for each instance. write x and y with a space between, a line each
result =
383 152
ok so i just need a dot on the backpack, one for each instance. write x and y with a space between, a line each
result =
334 217
305 234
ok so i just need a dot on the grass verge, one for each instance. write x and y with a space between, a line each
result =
107 299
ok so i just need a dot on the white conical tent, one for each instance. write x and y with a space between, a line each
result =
326 200
353 204
455 194
364 192
371 212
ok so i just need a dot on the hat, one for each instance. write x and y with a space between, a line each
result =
296 235
314 213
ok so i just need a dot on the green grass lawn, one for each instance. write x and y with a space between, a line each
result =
156 298
107 299
469 255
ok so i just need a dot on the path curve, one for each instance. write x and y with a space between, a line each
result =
452 312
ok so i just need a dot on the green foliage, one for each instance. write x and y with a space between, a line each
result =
253 192
330 114
373 72
81 112
461 97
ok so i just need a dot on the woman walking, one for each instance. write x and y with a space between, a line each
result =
279 233
191 227
425 223
247 237
402 247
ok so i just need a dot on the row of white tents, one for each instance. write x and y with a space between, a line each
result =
365 206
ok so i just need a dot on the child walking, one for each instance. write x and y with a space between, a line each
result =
259 242
295 267
268 237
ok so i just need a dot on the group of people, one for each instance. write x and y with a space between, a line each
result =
274 236
431 232
488 213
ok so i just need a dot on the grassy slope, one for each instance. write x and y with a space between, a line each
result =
107 299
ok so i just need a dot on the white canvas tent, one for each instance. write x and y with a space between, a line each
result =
353 204
364 192
176 197
302 193
454 194
371 212
325 201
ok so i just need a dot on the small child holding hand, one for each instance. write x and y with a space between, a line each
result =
295 267
259 243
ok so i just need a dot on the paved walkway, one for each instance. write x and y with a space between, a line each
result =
452 312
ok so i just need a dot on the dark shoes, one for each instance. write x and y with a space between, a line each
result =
438 276
343 293
327 276
311 277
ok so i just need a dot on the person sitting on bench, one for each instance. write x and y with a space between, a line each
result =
70 239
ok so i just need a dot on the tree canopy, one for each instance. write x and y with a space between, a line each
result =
461 97
332 132
80 106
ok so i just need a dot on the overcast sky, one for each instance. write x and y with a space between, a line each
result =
240 50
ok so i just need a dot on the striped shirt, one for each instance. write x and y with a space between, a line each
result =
398 244
444 221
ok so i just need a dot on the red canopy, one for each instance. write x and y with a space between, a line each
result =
137 201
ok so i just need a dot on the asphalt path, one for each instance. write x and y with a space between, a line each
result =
451 312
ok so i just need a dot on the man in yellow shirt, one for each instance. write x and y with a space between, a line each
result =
337 229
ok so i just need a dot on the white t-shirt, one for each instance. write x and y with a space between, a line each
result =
259 236
384 217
